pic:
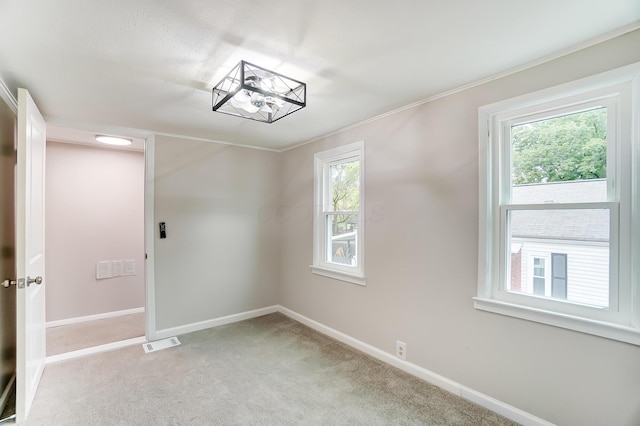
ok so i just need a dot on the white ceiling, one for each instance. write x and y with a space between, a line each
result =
119 65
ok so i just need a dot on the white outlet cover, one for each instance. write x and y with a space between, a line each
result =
401 349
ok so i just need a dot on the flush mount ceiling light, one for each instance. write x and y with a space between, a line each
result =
256 93
113 140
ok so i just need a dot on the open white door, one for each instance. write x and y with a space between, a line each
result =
31 338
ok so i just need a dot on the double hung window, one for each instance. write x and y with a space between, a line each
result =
557 211
338 219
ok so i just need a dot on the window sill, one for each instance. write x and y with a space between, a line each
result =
339 275
583 325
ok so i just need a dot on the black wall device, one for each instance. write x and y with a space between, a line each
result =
163 230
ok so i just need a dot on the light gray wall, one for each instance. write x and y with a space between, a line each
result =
7 245
421 183
94 211
221 253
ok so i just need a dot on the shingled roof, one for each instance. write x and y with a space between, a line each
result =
569 224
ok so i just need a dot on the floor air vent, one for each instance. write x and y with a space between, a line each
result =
161 344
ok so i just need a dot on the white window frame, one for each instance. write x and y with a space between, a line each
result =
547 272
322 161
619 89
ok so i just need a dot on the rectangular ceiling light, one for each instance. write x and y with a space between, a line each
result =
253 92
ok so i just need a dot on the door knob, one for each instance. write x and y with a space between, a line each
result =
37 280
8 282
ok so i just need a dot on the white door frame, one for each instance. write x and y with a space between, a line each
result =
149 239
30 253
7 97
149 154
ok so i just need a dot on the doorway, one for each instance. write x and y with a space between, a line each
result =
95 244
12 303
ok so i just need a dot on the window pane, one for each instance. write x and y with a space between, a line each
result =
342 236
561 159
538 267
538 286
576 241
344 192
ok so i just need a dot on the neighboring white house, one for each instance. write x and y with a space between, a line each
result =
561 254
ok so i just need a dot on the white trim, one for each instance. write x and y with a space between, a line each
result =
127 148
548 58
196 138
616 88
339 275
571 322
499 407
141 133
449 385
8 98
321 182
429 376
12 103
512 413
595 87
105 315
149 237
635 203
594 205
95 350
202 325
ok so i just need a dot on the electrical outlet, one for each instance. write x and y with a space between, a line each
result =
401 349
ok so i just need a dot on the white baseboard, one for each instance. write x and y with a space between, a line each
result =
506 410
197 326
105 315
95 350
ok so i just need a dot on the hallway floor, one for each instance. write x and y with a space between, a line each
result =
68 338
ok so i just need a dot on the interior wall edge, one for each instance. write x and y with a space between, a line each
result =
149 228
203 325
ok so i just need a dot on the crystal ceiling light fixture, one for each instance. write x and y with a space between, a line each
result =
253 92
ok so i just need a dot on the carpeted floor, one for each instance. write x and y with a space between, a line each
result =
87 334
269 370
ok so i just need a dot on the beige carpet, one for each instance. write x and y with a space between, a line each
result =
68 338
264 371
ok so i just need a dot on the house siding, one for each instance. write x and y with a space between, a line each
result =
587 266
